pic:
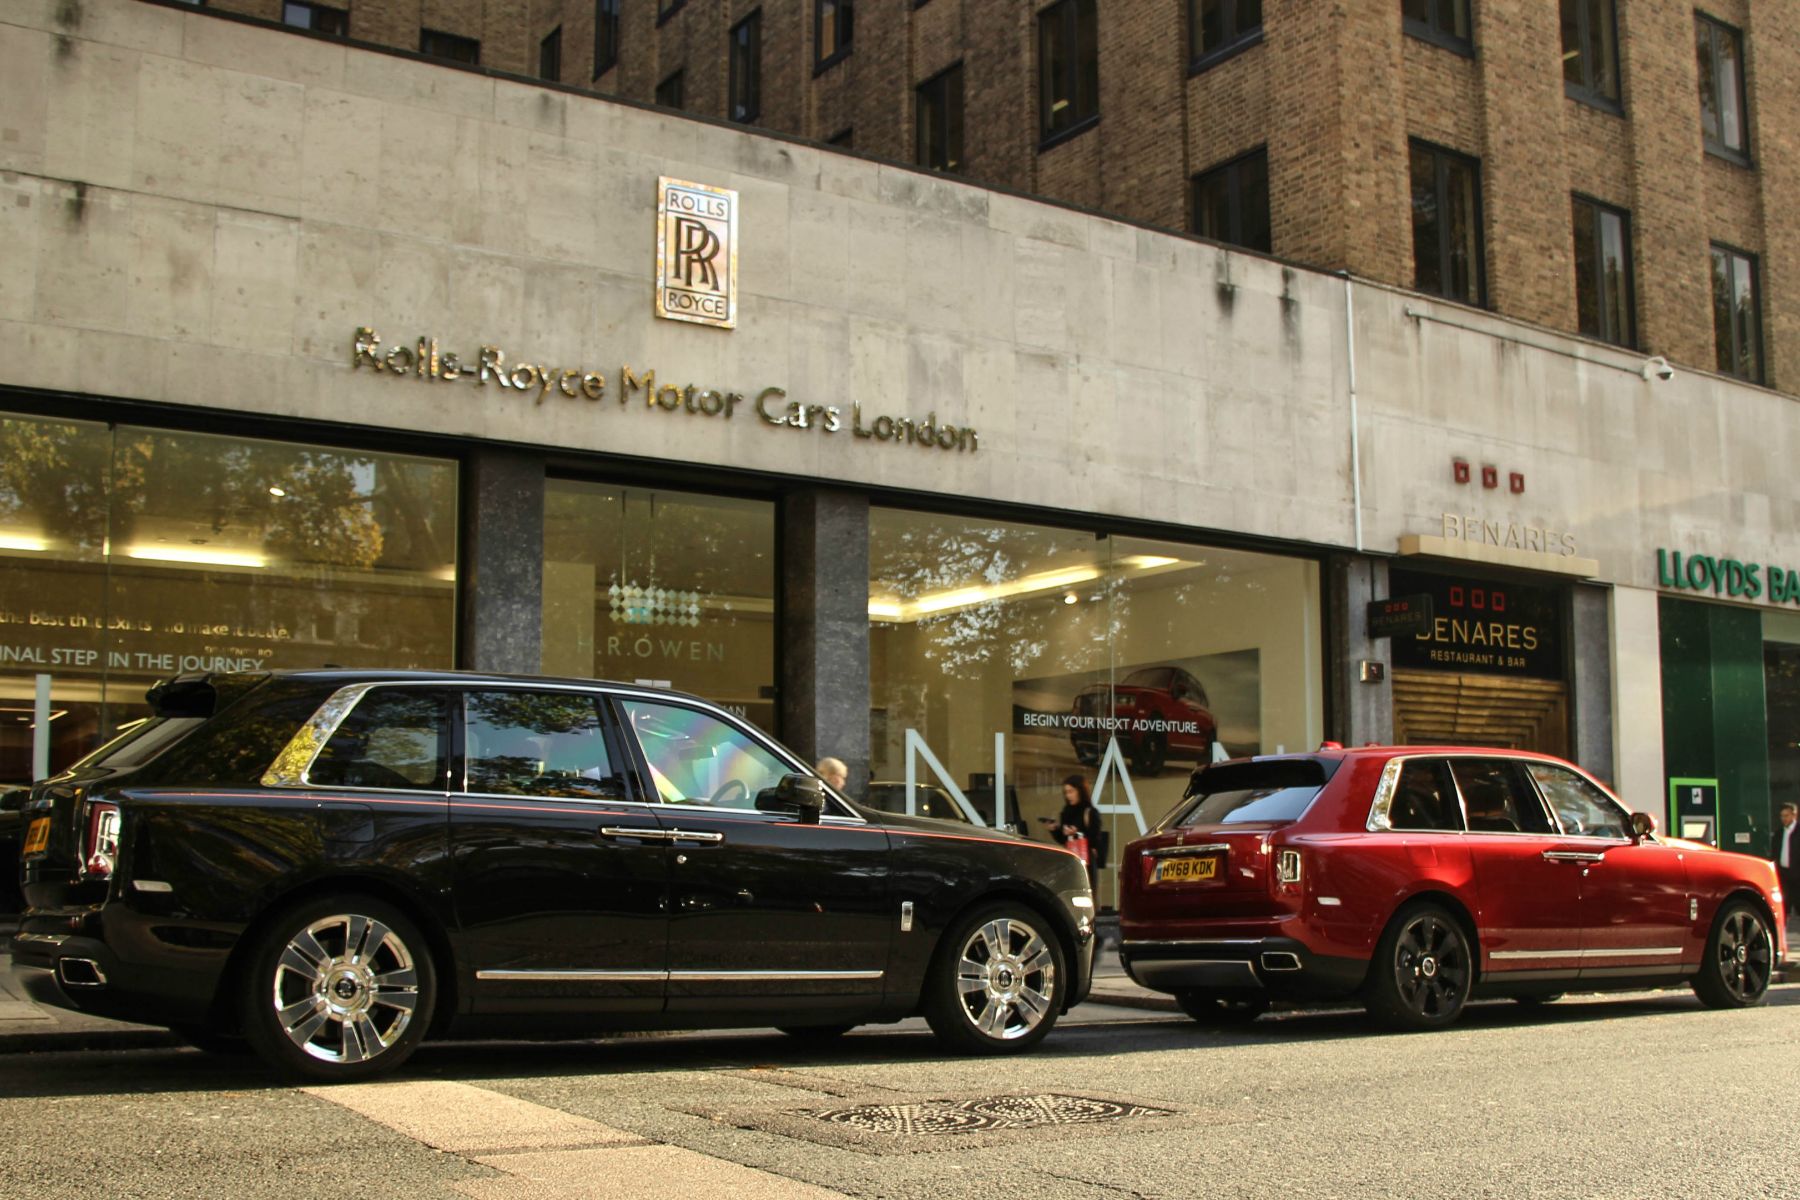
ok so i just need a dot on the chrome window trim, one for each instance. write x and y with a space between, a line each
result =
571 976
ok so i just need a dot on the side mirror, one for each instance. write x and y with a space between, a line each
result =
802 795
1643 825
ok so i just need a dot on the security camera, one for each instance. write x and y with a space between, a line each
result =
1657 367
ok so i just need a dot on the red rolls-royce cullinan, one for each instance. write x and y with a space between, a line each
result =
1415 878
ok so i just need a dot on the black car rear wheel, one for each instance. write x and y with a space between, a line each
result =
341 988
1222 1008
995 984
1739 959
1423 970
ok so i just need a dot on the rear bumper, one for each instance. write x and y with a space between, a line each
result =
1277 966
88 974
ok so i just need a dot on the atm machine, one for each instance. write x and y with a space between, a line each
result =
1694 810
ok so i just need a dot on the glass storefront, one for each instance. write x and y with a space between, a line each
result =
1035 653
669 589
128 554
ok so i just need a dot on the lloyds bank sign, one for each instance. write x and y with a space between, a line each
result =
1728 578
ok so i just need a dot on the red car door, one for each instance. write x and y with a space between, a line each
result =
1634 893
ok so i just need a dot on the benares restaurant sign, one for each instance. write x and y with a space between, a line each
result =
696 253
425 361
1727 577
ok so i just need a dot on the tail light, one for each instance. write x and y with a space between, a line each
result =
100 852
1287 866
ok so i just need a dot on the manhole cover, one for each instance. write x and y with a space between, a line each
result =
984 1114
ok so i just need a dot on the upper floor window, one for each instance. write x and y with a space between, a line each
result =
746 68
939 112
1737 313
1723 110
1590 43
449 46
550 56
606 36
1443 22
1446 211
1231 202
670 93
1068 67
1603 288
316 17
1217 29
668 8
831 30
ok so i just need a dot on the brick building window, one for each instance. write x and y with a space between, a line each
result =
1722 106
939 121
671 91
1218 29
1446 212
1604 297
316 17
1231 201
550 56
832 26
668 8
1441 22
746 68
1737 313
450 47
606 36
1068 68
1590 43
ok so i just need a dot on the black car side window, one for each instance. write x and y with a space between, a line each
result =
1497 797
520 743
394 738
1424 798
1584 810
695 758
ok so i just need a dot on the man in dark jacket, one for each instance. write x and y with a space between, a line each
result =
1785 850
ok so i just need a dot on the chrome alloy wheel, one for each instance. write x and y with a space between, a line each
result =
1745 955
345 988
1006 978
1431 966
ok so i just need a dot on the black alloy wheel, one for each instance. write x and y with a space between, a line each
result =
1222 1008
995 985
1739 960
1423 970
341 989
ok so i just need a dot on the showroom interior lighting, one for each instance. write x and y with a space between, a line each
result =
22 541
198 556
934 603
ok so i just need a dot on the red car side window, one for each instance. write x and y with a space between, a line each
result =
1424 798
1497 797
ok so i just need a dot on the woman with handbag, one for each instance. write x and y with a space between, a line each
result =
1078 828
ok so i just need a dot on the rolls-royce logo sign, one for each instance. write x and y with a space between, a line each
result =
696 253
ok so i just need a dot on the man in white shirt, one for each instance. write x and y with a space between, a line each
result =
1786 853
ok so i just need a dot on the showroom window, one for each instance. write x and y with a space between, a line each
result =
666 589
128 554
1039 653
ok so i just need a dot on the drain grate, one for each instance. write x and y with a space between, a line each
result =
985 1114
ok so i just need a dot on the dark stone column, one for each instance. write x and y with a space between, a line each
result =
501 576
1592 685
825 628
1365 711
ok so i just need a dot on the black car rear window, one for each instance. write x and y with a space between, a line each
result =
1244 792
237 745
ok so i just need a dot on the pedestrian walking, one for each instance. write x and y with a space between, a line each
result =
1785 850
833 772
1078 827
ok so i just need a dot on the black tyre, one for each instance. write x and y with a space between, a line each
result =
213 1041
995 985
1739 960
1222 1008
341 989
816 1033
1423 970
1150 754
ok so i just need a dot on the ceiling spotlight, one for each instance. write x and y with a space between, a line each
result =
1070 597
277 492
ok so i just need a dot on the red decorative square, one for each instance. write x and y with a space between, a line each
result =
1460 468
1490 476
1517 481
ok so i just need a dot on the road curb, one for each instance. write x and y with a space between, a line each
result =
1132 998
74 1040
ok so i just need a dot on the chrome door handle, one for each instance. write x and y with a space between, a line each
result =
1578 856
691 835
642 833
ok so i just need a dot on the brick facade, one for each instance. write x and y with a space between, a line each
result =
1335 90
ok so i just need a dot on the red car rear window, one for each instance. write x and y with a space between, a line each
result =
1244 792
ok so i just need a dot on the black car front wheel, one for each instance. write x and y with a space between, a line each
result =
341 989
995 984
1423 970
1739 959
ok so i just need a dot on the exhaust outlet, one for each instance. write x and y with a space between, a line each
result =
79 972
1280 960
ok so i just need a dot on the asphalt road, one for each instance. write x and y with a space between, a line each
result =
1643 1096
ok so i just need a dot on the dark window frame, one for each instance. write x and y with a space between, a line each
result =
550 56
846 14
844 139
939 80
342 16
1759 368
450 41
747 79
666 9
1231 170
1443 156
678 77
1083 117
1585 92
1719 149
1428 30
606 36
1236 40
1595 270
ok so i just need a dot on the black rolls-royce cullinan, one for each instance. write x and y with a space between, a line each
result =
334 865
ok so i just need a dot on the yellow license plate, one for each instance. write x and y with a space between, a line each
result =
1186 870
38 836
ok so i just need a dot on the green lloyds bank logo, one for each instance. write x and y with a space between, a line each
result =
1727 577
